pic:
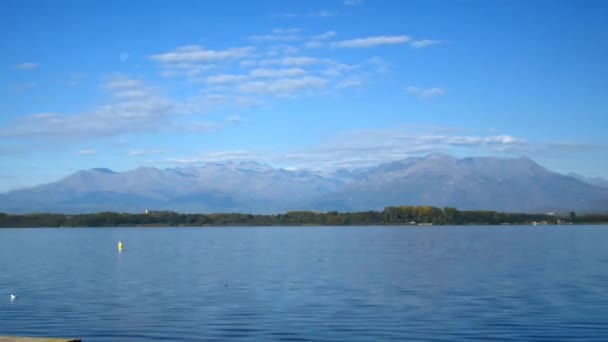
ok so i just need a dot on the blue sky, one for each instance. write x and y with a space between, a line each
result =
315 84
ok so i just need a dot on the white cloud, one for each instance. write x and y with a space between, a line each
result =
293 61
203 103
502 139
145 152
316 41
27 66
313 44
225 78
372 41
424 43
339 69
87 152
288 61
278 35
192 60
425 93
326 35
368 147
197 54
169 73
480 141
214 156
269 68
349 82
121 114
283 87
248 63
131 94
276 73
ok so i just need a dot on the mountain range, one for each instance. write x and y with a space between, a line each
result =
476 183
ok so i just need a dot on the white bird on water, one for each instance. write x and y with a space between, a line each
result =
13 297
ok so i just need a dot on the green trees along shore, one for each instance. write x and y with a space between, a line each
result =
403 215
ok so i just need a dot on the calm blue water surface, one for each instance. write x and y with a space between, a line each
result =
307 283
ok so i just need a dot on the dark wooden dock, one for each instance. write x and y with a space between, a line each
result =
36 339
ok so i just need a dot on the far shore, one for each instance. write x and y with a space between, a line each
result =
402 216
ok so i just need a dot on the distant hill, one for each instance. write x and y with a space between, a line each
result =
511 185
515 185
595 181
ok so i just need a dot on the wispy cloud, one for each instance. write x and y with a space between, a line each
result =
215 156
192 60
274 38
283 87
197 54
353 2
476 141
298 61
146 152
208 102
282 49
379 63
276 73
313 44
199 126
425 93
324 14
121 114
349 82
27 66
278 35
325 35
131 94
317 40
225 78
272 67
418 44
87 152
339 69
372 41
368 147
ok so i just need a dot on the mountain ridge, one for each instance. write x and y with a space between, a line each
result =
501 184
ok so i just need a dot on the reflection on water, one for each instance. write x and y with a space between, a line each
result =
309 283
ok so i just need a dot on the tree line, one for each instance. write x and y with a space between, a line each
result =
402 215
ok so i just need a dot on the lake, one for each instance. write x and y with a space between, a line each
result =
516 283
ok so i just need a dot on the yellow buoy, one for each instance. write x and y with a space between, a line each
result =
119 245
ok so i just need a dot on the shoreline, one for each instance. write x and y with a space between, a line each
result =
404 216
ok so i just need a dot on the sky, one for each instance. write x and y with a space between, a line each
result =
299 84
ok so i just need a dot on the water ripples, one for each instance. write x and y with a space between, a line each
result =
306 284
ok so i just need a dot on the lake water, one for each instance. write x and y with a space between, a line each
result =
307 283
